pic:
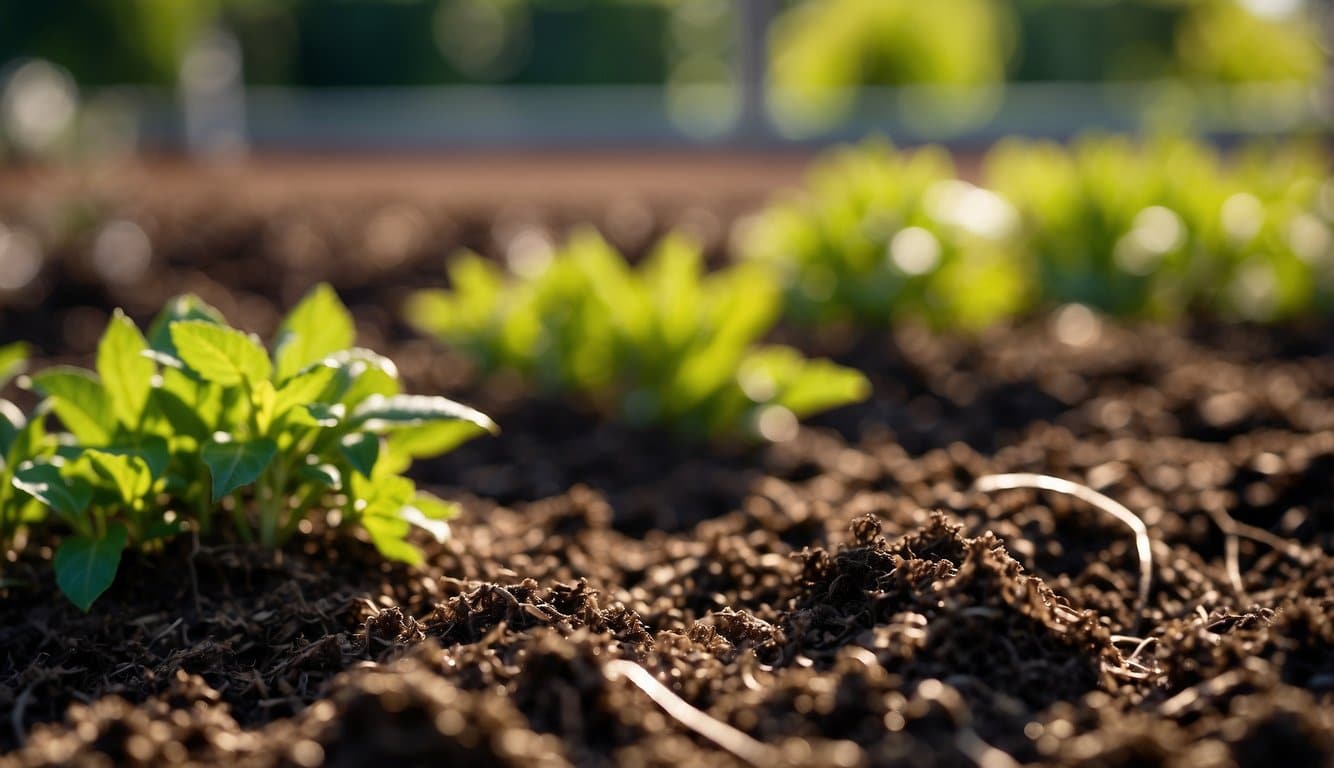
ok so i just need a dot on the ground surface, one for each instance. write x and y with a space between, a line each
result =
841 599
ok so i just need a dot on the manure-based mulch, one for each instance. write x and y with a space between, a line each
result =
842 599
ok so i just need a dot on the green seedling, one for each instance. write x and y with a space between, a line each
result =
662 344
21 440
196 426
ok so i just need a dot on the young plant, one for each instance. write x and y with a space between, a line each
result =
880 235
661 344
1165 227
197 425
21 440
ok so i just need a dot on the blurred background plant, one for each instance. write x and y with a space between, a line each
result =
1153 229
659 344
758 69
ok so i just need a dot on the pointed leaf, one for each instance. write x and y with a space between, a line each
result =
361 449
126 373
321 474
220 354
187 307
12 421
13 360
67 496
318 326
80 402
303 389
129 475
85 567
233 464
380 413
388 535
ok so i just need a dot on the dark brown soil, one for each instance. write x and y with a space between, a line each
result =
842 599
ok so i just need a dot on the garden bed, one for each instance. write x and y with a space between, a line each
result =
844 598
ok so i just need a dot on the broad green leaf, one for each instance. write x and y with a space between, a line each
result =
439 529
264 401
169 415
126 373
801 385
25 443
220 354
430 514
67 496
12 421
233 464
326 415
129 475
79 401
152 449
318 326
361 449
303 389
187 307
322 474
379 413
85 567
13 360
434 438
388 535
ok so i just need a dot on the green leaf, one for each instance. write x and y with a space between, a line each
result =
12 422
126 373
80 402
378 413
303 389
362 450
13 361
85 567
432 439
67 496
233 464
801 385
187 307
318 326
222 355
326 415
152 449
388 535
129 475
25 442
430 514
170 415
321 474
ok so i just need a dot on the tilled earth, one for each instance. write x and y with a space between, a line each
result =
846 598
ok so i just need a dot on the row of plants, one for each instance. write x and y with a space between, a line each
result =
196 428
1156 230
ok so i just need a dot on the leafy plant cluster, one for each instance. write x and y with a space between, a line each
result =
663 343
1143 230
197 427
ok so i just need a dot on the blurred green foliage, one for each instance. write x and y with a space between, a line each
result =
1156 229
661 344
879 235
816 45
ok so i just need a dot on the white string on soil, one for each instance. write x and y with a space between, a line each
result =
1112 507
739 744
1234 530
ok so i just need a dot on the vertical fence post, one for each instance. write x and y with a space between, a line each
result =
212 87
752 30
